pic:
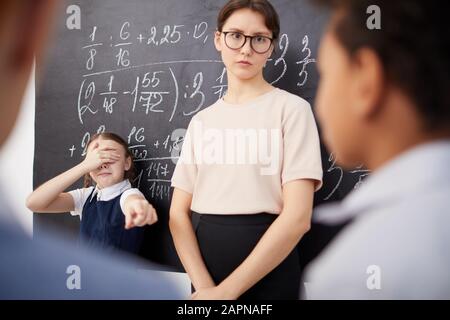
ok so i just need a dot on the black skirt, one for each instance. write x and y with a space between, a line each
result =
225 241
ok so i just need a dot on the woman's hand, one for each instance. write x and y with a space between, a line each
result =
212 293
98 155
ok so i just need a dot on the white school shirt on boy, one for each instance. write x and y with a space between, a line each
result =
80 196
397 245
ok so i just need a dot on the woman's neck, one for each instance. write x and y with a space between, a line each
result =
241 91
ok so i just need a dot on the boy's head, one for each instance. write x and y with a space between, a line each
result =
23 28
383 90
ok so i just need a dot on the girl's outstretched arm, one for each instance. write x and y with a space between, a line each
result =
138 212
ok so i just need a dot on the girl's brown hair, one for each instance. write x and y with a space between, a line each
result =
263 7
130 174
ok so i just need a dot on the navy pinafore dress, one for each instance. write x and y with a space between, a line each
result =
103 226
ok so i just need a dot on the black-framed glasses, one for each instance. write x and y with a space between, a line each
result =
236 40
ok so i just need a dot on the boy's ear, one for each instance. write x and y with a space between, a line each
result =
23 28
368 82
34 31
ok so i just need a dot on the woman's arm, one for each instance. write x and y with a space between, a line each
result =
276 244
185 240
50 196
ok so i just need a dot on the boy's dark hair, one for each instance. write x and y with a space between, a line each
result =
413 45
130 174
263 7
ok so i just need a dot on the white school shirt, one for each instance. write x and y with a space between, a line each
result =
80 196
398 243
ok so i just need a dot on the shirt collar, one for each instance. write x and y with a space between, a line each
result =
111 192
416 171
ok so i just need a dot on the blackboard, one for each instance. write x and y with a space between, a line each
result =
142 69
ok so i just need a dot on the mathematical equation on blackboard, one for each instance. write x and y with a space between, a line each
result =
161 88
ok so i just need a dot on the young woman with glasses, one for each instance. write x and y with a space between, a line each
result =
248 169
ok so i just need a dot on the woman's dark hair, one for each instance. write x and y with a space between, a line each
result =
263 7
130 174
413 45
